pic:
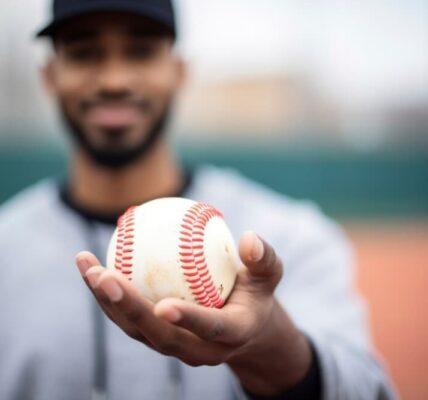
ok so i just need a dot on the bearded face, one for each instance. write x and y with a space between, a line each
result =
115 77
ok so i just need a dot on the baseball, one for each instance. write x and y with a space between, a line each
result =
174 247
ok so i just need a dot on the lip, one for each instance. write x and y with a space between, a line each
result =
113 115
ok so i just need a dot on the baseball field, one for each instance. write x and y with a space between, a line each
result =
393 275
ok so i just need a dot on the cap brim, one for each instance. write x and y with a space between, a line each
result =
105 6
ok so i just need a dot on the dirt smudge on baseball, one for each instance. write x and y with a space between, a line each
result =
159 283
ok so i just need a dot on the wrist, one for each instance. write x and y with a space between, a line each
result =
276 360
310 387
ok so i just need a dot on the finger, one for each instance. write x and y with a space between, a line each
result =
259 257
91 279
92 275
106 294
124 295
132 312
86 260
209 324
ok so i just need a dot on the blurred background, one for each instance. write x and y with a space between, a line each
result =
323 100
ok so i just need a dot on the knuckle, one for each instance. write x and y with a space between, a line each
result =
271 265
101 297
134 334
133 316
244 336
192 320
270 257
279 270
104 301
241 340
169 346
216 332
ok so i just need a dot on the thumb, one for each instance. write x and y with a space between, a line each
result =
260 259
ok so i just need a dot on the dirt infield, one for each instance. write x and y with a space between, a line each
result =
393 275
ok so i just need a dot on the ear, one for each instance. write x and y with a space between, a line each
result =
47 72
181 71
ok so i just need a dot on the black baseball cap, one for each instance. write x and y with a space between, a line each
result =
161 11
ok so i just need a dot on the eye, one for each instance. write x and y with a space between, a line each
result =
141 52
83 54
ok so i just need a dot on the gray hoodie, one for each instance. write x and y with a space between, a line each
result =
53 344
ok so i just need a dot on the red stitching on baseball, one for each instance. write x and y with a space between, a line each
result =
193 261
204 273
125 243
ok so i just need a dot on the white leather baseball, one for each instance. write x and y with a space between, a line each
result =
175 247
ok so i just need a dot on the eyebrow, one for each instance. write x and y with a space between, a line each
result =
80 35
139 32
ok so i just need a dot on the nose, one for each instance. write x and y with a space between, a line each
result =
114 76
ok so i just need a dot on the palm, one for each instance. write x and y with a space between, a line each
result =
195 334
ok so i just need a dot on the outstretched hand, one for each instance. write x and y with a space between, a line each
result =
250 331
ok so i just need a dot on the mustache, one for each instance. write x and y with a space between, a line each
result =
110 99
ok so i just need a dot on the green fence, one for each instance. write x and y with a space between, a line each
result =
343 183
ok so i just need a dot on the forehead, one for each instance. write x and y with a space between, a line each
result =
91 26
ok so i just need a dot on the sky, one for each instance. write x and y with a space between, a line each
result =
369 49
361 53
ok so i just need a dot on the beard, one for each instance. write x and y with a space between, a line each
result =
115 158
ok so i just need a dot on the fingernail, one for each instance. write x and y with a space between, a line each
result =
173 315
92 279
257 249
113 291
83 265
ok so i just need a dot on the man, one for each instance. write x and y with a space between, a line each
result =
114 73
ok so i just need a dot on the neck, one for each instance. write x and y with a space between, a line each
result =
109 191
